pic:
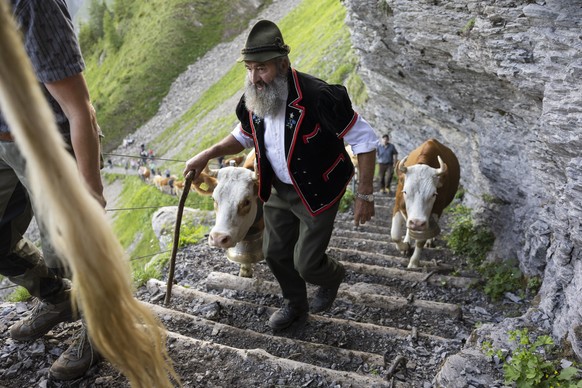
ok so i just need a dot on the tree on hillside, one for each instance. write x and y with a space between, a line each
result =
91 32
123 9
113 39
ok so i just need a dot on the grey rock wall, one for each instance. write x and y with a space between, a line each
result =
500 82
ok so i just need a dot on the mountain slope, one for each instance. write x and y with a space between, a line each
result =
155 42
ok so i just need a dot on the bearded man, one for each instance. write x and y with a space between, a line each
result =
297 125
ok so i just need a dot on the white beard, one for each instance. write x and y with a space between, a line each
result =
269 100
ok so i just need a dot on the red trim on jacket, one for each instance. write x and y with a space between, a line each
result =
340 158
312 134
349 126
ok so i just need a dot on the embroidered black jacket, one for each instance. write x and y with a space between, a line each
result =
317 117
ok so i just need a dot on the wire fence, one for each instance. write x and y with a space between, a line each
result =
214 164
143 157
131 208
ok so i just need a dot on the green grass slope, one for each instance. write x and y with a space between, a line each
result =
158 41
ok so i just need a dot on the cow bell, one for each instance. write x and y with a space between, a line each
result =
432 231
249 250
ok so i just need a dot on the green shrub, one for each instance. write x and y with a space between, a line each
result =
473 242
488 198
150 270
347 201
190 235
533 284
501 278
460 194
153 269
466 238
87 38
467 27
528 367
20 294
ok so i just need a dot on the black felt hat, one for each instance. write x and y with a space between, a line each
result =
265 42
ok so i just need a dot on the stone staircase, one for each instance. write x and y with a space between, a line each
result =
389 327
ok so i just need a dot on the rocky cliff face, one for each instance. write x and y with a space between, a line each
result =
500 82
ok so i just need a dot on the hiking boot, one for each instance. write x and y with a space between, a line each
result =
77 359
287 314
43 317
324 297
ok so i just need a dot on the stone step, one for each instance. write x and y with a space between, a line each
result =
378 234
256 368
318 354
366 244
361 293
361 344
259 314
379 220
410 276
385 316
363 243
385 259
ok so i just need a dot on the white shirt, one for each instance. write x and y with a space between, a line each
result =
361 137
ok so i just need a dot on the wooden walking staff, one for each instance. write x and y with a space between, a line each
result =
187 184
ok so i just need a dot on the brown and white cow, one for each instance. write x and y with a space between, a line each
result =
144 173
239 224
179 187
165 184
428 179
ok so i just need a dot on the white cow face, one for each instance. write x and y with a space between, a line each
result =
420 190
235 201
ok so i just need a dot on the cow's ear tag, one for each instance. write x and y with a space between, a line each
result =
204 184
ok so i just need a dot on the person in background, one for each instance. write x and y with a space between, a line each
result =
144 155
386 156
52 46
297 125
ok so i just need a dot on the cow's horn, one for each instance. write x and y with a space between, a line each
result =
443 167
210 172
401 167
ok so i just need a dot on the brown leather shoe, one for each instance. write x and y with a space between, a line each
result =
43 317
77 359
288 314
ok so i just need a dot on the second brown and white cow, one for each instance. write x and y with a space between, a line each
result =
239 224
428 179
